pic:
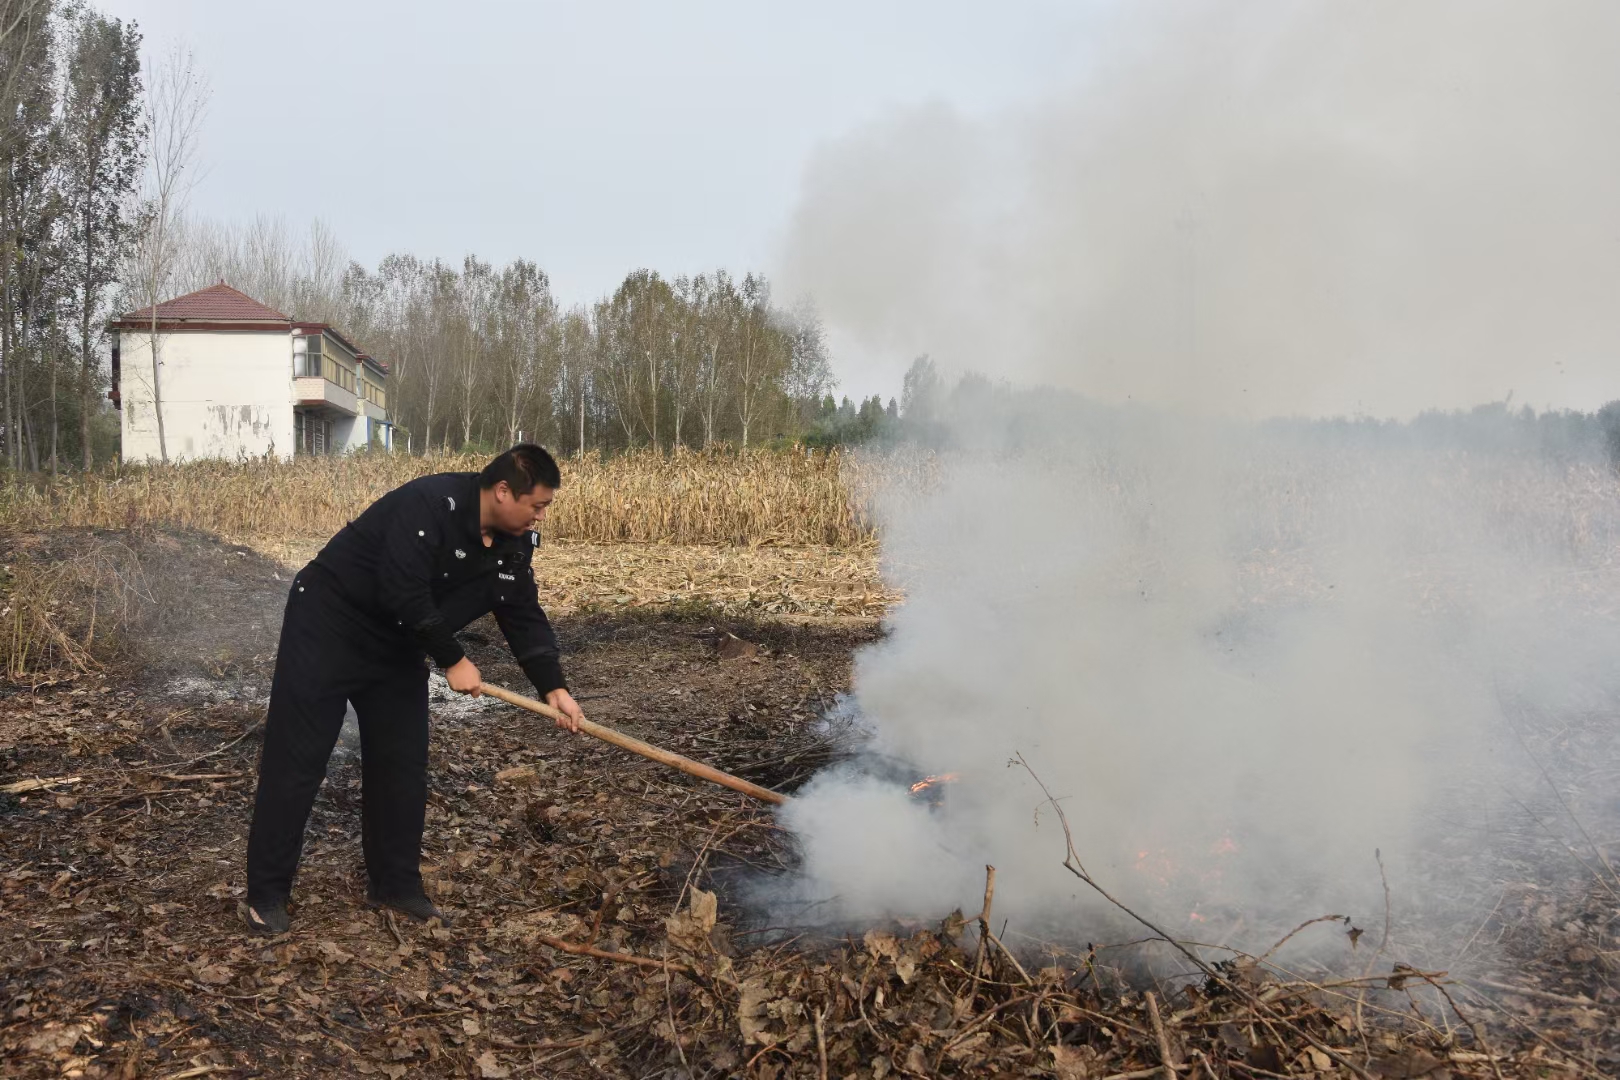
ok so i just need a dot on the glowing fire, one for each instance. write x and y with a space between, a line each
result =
929 781
1201 873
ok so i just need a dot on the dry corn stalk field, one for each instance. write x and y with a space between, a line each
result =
794 498
756 533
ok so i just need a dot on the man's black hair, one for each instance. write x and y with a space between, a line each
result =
522 467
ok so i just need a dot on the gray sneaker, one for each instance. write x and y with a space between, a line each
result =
416 906
268 918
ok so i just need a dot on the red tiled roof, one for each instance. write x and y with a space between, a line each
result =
215 303
220 307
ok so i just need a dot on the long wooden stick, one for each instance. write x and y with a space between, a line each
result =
646 750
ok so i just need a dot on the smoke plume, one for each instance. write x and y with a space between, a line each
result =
1253 209
1246 655
1247 659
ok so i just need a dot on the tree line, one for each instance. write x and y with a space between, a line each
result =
480 354
73 148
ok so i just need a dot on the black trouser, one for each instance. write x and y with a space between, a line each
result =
331 653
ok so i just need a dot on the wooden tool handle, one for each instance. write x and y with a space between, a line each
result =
636 746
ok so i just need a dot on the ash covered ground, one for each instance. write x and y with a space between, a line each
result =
120 894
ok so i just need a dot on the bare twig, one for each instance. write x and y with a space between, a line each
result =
994 940
603 954
1289 936
1268 1014
1361 998
1537 995
984 929
821 1040
20 787
1479 1036
1165 1057
674 1030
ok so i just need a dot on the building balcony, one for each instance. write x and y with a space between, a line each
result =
313 390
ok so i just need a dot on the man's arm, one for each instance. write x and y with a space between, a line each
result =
405 588
532 640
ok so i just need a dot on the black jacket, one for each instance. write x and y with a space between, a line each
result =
416 564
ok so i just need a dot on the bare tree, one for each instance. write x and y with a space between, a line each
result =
687 341
103 152
29 209
176 102
517 323
576 350
473 332
761 356
617 366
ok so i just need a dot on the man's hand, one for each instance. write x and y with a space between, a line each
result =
564 702
463 677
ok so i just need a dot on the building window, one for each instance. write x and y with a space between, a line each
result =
307 364
311 433
318 362
337 373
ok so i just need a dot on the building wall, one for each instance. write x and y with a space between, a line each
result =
225 394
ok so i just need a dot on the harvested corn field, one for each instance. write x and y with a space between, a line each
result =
793 497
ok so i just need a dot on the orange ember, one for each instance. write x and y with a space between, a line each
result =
929 781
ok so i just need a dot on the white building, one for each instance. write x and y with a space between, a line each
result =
239 379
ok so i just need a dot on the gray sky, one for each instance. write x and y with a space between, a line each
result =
592 137
1250 206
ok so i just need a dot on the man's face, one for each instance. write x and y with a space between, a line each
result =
519 513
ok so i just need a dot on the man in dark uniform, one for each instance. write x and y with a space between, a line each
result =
389 590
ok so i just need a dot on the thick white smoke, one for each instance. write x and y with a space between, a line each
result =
1246 655
1247 658
1253 208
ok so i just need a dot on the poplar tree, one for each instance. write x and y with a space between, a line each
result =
103 153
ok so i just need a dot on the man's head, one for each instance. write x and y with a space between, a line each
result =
518 486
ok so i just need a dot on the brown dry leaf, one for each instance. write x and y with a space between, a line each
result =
490 1067
750 1012
515 773
1407 1065
689 930
882 945
470 1026
1072 1062
334 954
732 647
215 974
1588 1019
54 1040
1313 1060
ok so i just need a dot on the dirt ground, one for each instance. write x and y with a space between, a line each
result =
595 925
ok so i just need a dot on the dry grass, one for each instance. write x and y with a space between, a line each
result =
576 577
724 497
66 605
